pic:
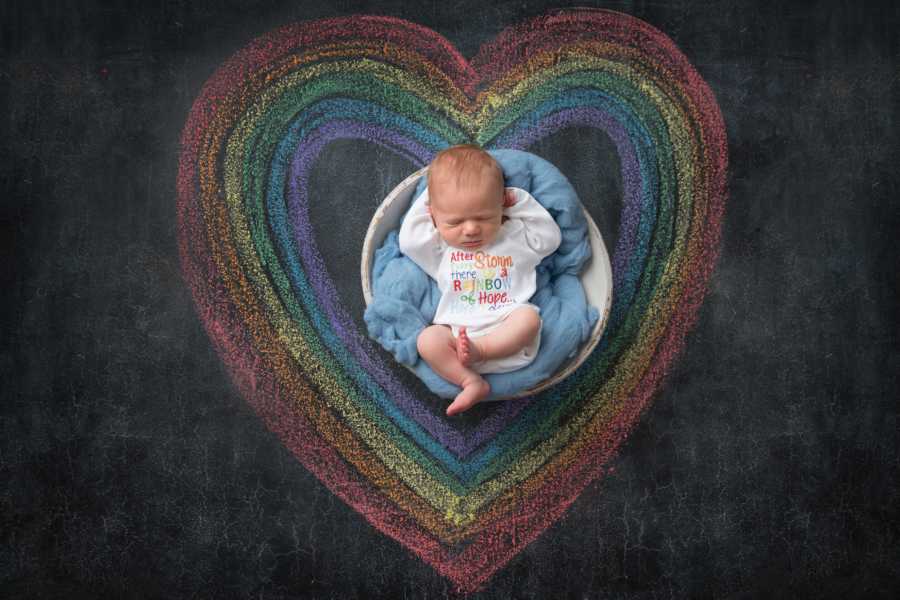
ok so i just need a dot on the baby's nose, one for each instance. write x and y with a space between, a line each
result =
470 227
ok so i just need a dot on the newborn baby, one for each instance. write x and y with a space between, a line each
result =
481 243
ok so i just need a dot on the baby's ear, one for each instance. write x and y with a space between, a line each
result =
509 198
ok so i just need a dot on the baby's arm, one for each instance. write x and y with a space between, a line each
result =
541 231
419 240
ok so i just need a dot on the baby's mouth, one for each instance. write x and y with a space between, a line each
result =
472 244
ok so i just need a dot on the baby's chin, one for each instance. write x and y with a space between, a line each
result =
461 246
481 244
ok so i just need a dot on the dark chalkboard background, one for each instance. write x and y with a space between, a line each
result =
130 466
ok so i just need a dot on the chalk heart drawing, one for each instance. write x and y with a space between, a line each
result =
465 501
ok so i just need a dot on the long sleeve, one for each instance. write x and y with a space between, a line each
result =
419 240
541 232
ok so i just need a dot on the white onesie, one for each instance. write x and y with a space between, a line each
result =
479 288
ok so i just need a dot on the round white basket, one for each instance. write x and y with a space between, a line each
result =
596 277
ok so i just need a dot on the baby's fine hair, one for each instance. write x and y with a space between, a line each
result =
463 165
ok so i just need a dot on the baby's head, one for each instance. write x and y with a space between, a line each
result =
466 196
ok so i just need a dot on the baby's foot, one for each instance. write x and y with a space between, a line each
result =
474 391
467 350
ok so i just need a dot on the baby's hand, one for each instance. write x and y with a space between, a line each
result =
509 198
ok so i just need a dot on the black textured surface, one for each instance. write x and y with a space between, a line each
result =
130 467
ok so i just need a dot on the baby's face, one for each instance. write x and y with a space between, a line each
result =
468 217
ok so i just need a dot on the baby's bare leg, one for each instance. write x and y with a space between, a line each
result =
437 347
514 333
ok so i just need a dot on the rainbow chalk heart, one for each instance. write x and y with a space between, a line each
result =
464 501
